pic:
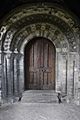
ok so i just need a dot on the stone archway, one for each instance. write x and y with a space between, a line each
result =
40 20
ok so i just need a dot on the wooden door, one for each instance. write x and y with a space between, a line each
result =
39 64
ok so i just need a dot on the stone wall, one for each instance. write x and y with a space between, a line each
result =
48 21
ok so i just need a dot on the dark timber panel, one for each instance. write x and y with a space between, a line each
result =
39 64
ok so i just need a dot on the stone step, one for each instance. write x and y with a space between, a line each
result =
39 96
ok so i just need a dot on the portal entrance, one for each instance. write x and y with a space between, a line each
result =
39 64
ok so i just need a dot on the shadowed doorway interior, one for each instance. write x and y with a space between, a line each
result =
39 64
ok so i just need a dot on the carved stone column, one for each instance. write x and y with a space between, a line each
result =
12 74
21 73
16 81
18 74
73 62
76 78
6 77
3 79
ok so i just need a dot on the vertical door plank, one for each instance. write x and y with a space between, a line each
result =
27 58
53 64
45 62
50 65
41 63
31 64
38 63
35 63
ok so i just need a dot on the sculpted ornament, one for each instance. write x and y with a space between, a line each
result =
44 13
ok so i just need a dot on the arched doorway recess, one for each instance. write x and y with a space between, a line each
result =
39 20
39 64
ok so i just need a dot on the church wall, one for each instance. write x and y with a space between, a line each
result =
67 73
67 70
64 34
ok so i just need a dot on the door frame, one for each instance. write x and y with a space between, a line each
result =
54 63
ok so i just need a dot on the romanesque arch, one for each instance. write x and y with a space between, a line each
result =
40 20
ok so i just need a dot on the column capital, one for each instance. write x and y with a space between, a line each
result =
8 55
16 51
